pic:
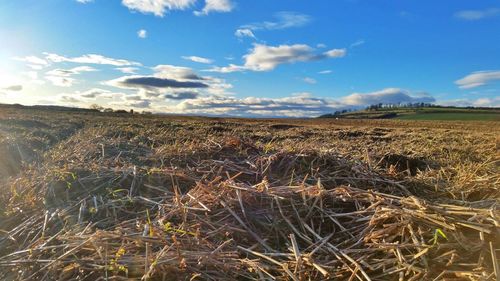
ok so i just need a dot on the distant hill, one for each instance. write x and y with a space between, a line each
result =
421 113
67 109
47 107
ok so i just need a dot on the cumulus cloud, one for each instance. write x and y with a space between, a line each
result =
182 96
478 78
170 84
220 6
157 7
244 32
90 59
127 70
198 59
70 72
93 93
336 53
282 20
142 33
34 62
132 103
13 88
84 1
265 58
227 69
63 77
61 81
176 72
133 98
168 79
161 7
90 96
480 102
295 106
152 83
201 101
38 63
69 99
472 15
386 96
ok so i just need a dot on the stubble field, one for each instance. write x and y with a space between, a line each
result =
87 196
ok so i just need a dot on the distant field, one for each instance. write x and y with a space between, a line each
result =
426 113
452 116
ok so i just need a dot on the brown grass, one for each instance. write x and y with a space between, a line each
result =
171 198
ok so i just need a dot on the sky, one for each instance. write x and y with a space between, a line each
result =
259 58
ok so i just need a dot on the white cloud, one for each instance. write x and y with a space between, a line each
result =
162 94
302 105
172 80
90 59
487 102
357 43
137 104
266 58
62 77
154 83
244 32
175 72
472 15
34 62
157 7
13 88
480 102
220 6
61 81
336 53
142 33
70 72
198 59
68 99
386 96
84 1
227 69
85 98
283 20
93 93
478 78
182 96
127 70
325 72
309 80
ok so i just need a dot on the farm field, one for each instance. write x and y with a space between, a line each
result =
96 196
452 116
425 113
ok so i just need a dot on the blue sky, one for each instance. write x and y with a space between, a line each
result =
249 58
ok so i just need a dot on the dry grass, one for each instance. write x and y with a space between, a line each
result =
157 198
